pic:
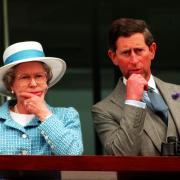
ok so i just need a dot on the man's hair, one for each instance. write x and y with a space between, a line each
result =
126 27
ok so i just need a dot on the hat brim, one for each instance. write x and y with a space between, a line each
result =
57 65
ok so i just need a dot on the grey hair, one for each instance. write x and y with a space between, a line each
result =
9 76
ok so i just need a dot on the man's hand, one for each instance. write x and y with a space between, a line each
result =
135 86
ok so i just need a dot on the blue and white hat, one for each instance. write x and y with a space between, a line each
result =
29 51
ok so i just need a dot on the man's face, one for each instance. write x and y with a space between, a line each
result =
133 56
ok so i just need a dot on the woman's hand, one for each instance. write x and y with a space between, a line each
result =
35 104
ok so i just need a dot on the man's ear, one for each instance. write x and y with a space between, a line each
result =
152 50
113 57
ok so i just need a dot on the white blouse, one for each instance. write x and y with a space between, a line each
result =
22 119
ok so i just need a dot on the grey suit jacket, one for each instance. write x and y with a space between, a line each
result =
129 130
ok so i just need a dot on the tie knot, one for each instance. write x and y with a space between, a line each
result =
157 101
150 89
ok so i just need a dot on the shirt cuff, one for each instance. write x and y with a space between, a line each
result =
136 103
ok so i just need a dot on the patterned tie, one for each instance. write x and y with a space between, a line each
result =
158 105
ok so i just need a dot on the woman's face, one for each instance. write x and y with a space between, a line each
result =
30 77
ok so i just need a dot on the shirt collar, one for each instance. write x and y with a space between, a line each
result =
151 82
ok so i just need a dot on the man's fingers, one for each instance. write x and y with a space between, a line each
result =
146 87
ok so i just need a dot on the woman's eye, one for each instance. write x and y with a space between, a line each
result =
39 76
24 77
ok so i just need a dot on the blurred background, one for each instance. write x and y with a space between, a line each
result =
76 31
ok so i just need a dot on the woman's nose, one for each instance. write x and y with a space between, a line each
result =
33 82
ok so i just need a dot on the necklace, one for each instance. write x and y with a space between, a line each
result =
16 109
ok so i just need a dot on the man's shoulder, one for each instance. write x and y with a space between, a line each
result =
166 84
112 98
103 104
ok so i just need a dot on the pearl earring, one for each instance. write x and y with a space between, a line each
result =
12 92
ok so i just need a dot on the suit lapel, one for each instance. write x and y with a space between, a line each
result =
174 105
150 127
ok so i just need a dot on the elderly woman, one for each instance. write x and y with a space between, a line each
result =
28 125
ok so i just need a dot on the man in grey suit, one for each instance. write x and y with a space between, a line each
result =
124 121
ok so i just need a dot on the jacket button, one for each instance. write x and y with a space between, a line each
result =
24 152
24 136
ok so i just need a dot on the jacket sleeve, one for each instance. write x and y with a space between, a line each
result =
120 130
62 131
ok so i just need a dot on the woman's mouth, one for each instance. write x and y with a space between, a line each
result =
39 93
